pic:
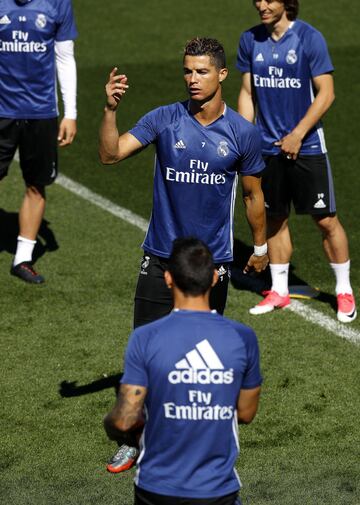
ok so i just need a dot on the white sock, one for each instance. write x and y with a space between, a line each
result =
24 250
342 276
279 277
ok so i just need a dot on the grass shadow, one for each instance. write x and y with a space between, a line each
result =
72 389
9 231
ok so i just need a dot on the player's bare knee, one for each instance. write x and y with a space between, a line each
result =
276 225
35 192
328 225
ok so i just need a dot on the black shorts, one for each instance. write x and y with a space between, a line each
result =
37 143
153 298
143 497
306 182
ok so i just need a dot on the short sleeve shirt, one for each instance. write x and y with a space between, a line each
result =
282 73
196 175
27 56
193 365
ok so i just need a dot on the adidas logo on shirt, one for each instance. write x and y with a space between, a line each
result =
259 57
180 145
201 366
5 20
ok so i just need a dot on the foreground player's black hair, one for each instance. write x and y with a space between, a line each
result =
191 266
206 47
292 9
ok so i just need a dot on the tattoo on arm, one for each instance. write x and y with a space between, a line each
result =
129 407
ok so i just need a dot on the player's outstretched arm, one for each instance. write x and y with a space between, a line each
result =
112 146
255 213
246 104
247 405
127 415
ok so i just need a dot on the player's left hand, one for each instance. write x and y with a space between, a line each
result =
67 131
290 145
256 263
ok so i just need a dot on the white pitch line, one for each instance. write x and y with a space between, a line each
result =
301 309
311 315
324 321
103 203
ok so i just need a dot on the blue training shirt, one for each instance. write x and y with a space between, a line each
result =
193 365
282 73
27 56
196 174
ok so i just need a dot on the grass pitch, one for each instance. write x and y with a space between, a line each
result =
62 343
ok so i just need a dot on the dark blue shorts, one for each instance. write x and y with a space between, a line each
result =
37 143
153 299
306 182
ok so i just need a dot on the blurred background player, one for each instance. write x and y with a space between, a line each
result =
287 82
201 147
35 36
195 391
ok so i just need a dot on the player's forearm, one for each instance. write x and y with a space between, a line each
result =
316 111
66 73
115 427
246 105
128 414
109 138
256 216
246 102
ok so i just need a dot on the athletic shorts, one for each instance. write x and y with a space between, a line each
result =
306 182
153 298
37 143
143 497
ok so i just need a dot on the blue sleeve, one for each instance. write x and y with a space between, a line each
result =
252 376
66 22
318 54
243 60
135 367
146 129
251 161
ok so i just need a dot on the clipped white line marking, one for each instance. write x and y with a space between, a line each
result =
310 315
298 308
324 321
103 203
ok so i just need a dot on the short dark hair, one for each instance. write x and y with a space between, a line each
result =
292 9
191 266
206 47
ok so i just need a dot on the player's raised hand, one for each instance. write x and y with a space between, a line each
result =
115 89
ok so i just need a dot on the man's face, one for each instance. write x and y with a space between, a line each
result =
270 11
201 76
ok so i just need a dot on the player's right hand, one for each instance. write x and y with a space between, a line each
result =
115 89
256 264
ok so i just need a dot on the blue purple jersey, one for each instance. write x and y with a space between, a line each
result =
282 73
27 57
196 174
193 365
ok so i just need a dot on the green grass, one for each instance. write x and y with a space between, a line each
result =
62 343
